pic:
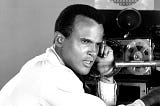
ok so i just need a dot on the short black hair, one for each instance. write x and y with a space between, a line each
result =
65 21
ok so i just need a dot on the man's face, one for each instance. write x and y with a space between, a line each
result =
80 50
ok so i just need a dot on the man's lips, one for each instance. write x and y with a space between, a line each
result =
88 63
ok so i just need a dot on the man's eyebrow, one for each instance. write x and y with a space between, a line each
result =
100 42
86 39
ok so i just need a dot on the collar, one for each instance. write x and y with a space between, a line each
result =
52 50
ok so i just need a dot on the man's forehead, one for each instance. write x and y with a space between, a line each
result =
88 23
83 20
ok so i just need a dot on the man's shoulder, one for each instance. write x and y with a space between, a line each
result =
35 61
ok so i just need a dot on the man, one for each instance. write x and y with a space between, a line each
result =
54 78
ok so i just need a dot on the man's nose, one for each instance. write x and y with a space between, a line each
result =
93 50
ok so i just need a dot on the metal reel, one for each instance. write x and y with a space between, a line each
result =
138 50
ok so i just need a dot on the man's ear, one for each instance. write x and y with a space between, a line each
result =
59 39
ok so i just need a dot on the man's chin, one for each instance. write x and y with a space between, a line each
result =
85 71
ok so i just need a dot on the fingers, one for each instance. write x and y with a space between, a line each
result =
108 51
104 63
105 50
102 47
107 56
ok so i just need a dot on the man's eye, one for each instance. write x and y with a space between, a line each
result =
85 41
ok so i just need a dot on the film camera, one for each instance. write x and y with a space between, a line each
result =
134 36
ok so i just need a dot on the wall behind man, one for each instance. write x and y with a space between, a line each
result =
26 30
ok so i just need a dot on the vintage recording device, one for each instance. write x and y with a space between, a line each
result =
130 56
130 34
136 50
134 36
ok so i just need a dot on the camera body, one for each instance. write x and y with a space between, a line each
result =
134 36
